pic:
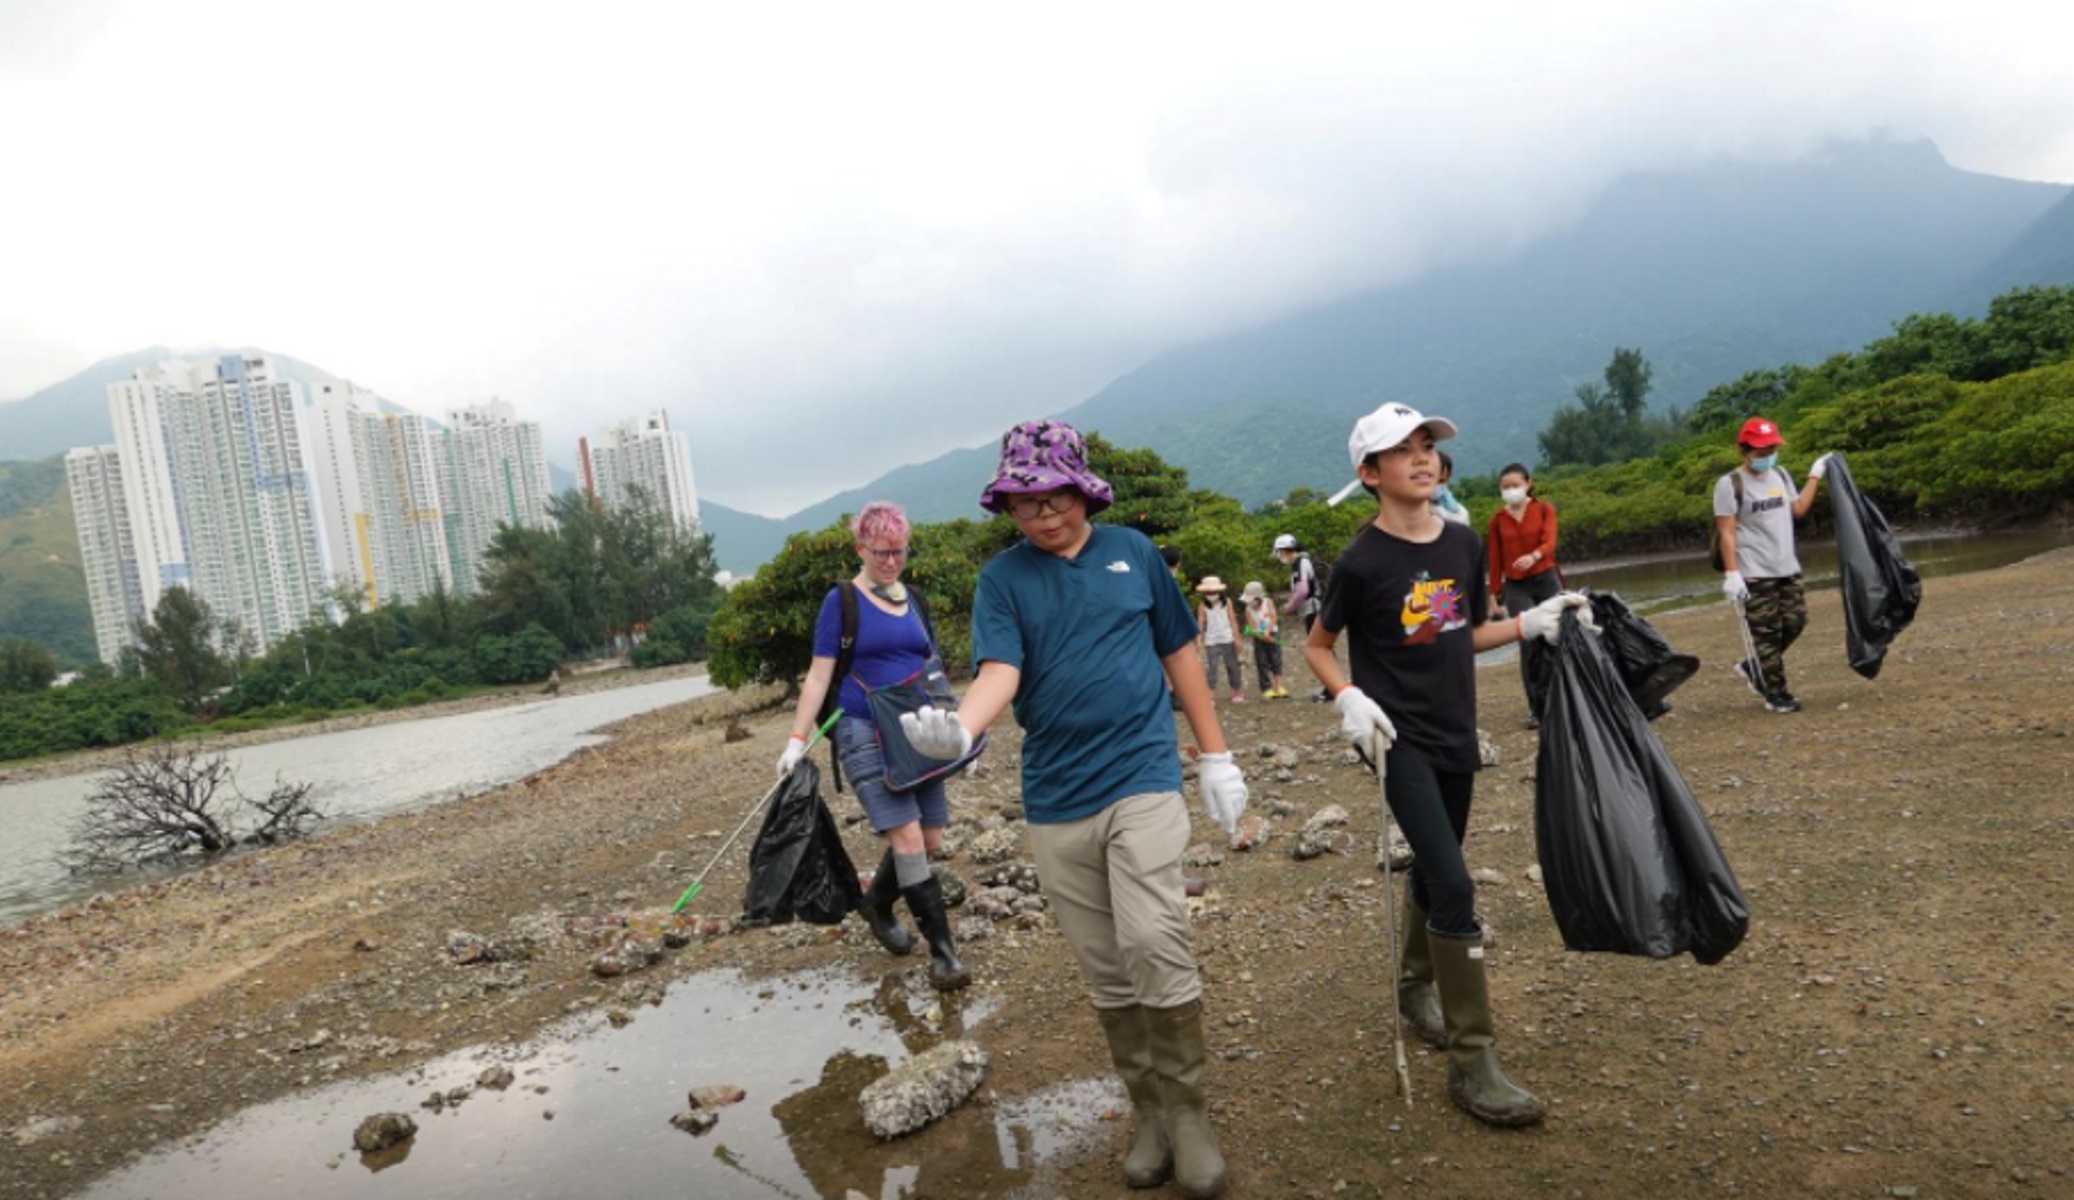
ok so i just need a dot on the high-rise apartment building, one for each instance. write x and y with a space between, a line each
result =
216 495
645 453
106 547
378 495
493 470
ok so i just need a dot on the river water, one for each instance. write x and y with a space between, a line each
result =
357 775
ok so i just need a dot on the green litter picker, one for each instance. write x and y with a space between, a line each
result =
698 885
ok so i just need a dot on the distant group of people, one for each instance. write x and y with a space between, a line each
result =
1080 629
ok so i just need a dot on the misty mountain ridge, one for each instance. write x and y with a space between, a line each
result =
1711 272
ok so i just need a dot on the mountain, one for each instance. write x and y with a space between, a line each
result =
1710 272
42 587
2044 254
74 412
742 541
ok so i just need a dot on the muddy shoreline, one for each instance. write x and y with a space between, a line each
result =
1898 1019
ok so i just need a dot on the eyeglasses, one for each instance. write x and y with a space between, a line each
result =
1029 508
891 554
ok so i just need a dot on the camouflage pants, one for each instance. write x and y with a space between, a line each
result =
1777 611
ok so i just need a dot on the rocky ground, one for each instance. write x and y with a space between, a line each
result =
1898 1023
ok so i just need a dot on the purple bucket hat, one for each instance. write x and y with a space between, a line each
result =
1038 456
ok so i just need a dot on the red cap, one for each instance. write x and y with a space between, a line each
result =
1759 433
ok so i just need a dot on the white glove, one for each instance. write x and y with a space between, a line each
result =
1545 620
1733 587
1224 789
795 749
1820 468
1361 719
936 732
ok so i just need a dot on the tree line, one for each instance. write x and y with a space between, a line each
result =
586 585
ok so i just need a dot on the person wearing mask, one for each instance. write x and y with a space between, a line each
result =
1080 629
1755 506
892 643
1521 544
1409 593
1444 502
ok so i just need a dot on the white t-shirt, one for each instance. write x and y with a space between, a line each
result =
1764 527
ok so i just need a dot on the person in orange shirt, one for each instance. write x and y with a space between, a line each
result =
1520 545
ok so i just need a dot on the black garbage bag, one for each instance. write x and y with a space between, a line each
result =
798 867
1881 587
1627 858
1645 661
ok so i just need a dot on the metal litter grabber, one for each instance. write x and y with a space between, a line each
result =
698 884
1380 754
1750 659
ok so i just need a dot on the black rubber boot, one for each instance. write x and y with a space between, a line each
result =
925 900
1151 1158
1178 1054
878 909
1416 997
1475 1081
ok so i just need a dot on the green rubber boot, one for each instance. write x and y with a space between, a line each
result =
1178 1054
1475 1081
1151 1158
1416 997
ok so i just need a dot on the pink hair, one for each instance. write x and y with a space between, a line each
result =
881 520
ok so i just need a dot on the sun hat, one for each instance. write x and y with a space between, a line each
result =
1286 541
1210 583
1253 591
1759 433
1039 456
1389 425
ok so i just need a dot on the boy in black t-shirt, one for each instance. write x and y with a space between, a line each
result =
1409 592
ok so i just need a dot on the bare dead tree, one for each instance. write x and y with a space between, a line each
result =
166 802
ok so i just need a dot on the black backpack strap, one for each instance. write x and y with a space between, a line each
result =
845 658
928 626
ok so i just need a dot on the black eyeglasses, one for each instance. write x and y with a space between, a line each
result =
1029 508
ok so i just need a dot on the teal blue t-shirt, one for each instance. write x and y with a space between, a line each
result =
1088 634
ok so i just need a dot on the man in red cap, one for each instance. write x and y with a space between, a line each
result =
1754 510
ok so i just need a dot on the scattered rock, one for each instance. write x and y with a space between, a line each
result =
43 1127
923 1089
736 731
1534 874
467 949
620 1018
1253 831
1322 833
1486 749
1200 855
1486 875
383 1130
954 890
697 1121
495 1078
994 846
718 1095
1395 855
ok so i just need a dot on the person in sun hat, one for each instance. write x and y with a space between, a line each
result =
1410 594
1081 629
1219 636
1265 632
1755 506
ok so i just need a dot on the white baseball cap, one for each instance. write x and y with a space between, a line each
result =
1389 425
1285 541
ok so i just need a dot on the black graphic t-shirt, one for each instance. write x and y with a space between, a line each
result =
1407 609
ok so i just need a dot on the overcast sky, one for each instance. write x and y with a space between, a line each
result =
831 239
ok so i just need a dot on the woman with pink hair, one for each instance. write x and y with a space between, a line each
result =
892 643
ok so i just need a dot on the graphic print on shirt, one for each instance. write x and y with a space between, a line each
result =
1431 608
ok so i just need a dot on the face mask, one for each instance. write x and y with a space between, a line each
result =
1514 495
1764 462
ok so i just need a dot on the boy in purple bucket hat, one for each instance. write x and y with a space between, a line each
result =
1080 627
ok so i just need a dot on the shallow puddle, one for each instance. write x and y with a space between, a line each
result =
588 1109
